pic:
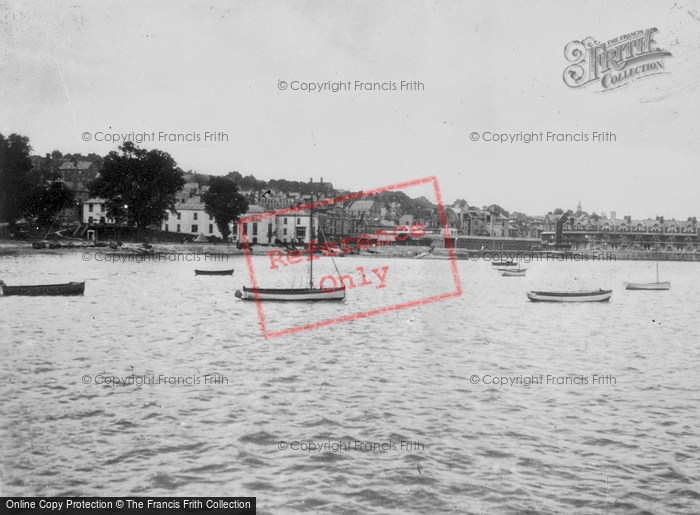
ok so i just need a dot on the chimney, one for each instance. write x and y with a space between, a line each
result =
613 215
321 180
311 179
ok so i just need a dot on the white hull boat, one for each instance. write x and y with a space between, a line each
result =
309 294
648 286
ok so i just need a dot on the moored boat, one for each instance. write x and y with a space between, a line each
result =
290 294
430 255
510 262
514 273
296 294
570 296
74 288
648 286
213 272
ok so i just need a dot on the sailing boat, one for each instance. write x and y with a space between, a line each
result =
520 272
296 294
650 286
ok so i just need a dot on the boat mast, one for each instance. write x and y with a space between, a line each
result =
311 263
657 268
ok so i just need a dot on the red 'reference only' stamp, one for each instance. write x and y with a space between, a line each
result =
334 285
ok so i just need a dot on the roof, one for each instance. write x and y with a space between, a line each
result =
321 185
70 165
190 206
361 205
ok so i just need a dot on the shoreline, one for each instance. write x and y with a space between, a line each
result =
390 251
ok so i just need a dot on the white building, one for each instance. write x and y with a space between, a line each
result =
190 219
295 226
95 212
257 233
285 228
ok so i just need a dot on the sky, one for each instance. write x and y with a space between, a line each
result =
73 73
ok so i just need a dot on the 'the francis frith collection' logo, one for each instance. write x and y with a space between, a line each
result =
614 63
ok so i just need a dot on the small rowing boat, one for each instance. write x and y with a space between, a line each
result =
213 272
430 255
570 296
514 273
43 289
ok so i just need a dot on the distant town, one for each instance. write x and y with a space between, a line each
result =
87 216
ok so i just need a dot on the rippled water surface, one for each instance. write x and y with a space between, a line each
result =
423 376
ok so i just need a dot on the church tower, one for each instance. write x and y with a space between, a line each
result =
578 208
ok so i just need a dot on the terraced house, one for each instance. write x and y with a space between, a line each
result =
586 232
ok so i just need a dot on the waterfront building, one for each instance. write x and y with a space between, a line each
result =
296 227
262 232
190 219
95 212
593 232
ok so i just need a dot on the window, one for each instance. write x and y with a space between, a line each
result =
285 232
90 220
90 207
166 227
298 221
285 223
245 229
255 229
211 228
178 227
102 208
195 228
195 216
179 216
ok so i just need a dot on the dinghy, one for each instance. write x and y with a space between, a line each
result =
570 296
43 289
213 272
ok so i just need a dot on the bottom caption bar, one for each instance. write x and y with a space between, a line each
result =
126 505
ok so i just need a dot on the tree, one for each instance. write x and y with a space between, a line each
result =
16 185
499 210
46 203
224 203
138 185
